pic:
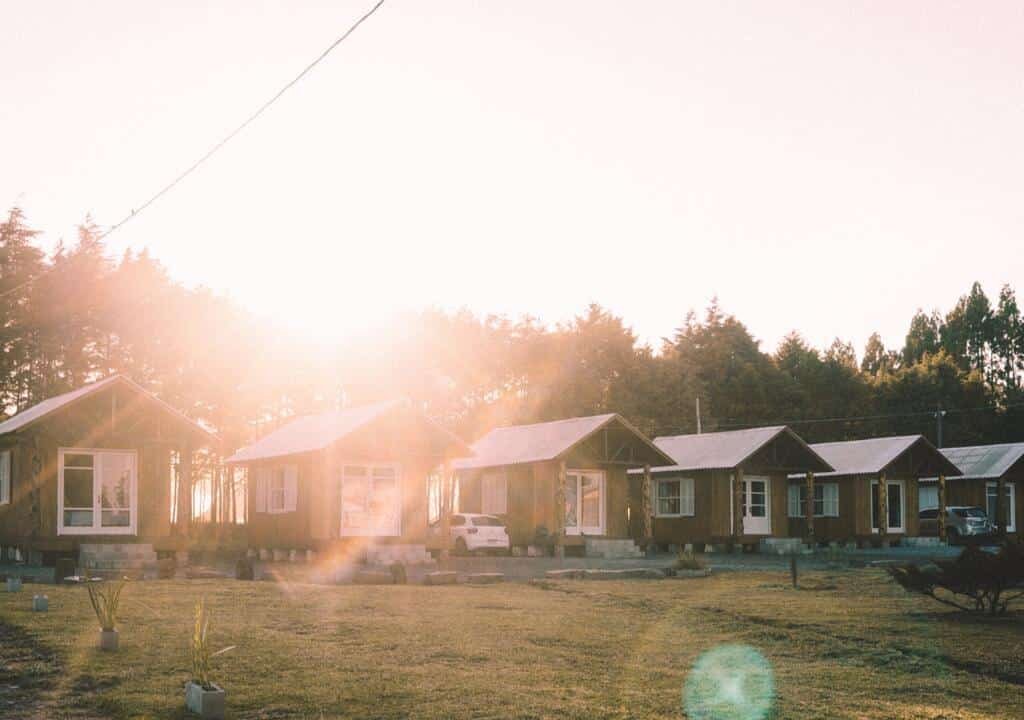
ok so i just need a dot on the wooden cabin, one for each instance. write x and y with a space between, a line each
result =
92 468
352 482
561 483
985 468
728 487
872 479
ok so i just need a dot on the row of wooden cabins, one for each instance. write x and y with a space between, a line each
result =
93 467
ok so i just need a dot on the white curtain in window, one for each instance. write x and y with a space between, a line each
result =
5 477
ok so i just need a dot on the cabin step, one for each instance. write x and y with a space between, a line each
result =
390 554
116 556
612 548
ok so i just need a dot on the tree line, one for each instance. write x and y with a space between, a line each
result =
75 314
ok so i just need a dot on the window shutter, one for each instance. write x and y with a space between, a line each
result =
5 477
794 502
291 487
261 490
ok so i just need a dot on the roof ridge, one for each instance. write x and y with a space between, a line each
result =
552 422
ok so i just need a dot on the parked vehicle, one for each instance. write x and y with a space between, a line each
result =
962 522
472 532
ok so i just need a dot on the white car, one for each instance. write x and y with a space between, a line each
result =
473 532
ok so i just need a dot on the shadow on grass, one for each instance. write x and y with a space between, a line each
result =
28 671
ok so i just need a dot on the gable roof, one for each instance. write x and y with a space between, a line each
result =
310 433
728 449
873 455
540 442
47 407
985 461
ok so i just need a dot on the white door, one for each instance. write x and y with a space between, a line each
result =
584 502
756 495
896 507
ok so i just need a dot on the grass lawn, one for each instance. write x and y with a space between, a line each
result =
846 645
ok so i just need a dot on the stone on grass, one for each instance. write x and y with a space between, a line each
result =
40 603
566 574
14 584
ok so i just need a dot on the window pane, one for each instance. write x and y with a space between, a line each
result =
571 501
78 518
78 460
77 488
895 506
383 472
353 503
115 489
590 490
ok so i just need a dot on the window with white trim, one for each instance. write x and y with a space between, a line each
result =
277 489
371 501
1009 505
96 492
5 477
826 500
494 492
673 497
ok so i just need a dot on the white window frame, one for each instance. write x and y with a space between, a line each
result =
97 528
578 529
795 505
903 507
757 525
1011 498
5 477
685 495
399 499
494 492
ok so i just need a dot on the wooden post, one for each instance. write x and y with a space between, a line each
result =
942 508
809 509
737 505
883 507
646 524
447 490
1002 511
560 511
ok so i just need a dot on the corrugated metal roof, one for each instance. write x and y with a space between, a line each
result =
50 405
985 461
517 444
540 442
871 456
722 450
311 432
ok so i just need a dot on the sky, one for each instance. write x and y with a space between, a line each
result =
818 167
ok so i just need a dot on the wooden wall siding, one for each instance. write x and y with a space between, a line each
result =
128 423
854 521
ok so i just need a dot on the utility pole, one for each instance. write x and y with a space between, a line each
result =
939 414
698 416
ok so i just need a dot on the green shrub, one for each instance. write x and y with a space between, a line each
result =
105 598
988 582
686 560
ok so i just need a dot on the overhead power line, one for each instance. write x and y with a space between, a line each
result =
224 141
853 418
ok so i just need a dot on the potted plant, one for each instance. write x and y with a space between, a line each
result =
105 598
202 695
13 584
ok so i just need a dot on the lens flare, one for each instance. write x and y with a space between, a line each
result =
730 682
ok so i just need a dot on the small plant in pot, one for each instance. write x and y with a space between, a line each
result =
105 598
202 696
